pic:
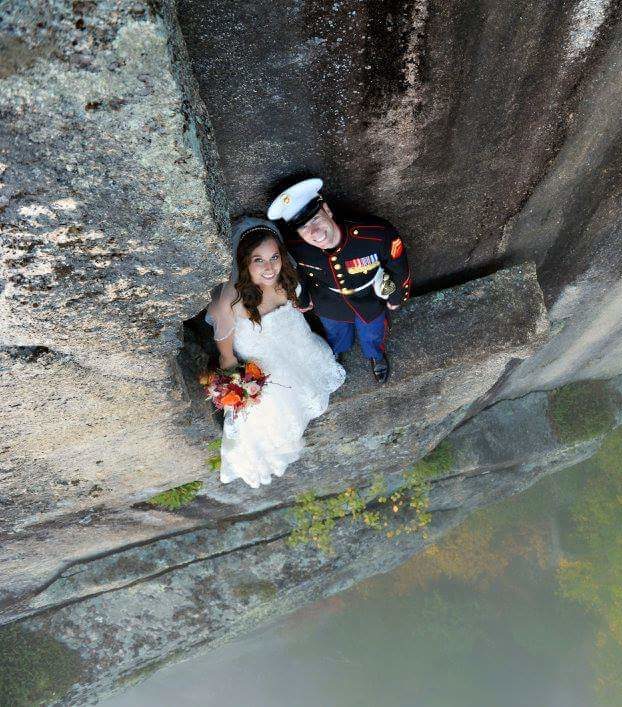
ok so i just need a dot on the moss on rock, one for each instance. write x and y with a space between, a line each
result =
581 411
438 462
609 456
35 668
176 497
261 590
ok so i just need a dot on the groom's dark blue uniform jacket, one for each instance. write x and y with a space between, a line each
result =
330 277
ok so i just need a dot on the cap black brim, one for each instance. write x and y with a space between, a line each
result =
307 212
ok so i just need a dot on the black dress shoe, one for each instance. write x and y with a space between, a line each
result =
380 368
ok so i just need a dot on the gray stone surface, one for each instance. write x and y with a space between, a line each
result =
108 228
572 226
108 243
140 605
109 239
441 116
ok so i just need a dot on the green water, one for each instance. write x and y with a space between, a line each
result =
521 606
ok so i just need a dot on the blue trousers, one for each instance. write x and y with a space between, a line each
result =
371 335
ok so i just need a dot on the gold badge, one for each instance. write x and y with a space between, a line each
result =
388 286
287 199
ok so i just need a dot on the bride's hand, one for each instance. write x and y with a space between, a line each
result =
229 362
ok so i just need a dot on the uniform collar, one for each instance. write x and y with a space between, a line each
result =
342 241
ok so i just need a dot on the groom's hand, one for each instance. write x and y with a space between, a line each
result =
302 310
393 306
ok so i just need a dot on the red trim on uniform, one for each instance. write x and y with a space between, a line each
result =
369 225
367 321
384 336
407 280
344 239
368 238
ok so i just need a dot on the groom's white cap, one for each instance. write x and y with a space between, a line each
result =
298 203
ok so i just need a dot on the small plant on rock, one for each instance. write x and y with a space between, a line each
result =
213 461
177 497
315 518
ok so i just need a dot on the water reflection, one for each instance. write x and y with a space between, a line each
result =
521 605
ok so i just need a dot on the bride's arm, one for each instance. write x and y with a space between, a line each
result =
221 315
225 349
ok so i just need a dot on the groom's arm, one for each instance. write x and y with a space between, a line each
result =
303 291
395 262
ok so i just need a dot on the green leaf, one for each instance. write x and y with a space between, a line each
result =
214 445
213 463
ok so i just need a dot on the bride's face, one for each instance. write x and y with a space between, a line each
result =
265 264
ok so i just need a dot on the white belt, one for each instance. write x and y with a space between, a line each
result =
356 289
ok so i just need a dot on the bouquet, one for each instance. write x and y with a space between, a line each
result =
236 388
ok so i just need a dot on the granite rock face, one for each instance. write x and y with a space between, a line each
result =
572 226
143 605
110 238
107 218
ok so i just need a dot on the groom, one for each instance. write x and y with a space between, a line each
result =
351 271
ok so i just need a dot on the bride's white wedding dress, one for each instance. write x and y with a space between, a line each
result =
265 438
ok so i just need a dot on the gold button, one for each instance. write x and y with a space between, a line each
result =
333 258
311 274
337 266
340 276
345 291
355 231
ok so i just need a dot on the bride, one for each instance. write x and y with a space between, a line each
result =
255 317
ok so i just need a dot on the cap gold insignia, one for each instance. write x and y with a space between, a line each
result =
287 199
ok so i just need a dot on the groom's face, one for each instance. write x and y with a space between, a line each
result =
321 231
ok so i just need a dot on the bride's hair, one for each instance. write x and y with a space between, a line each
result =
250 294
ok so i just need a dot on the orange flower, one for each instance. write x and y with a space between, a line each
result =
230 399
252 369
